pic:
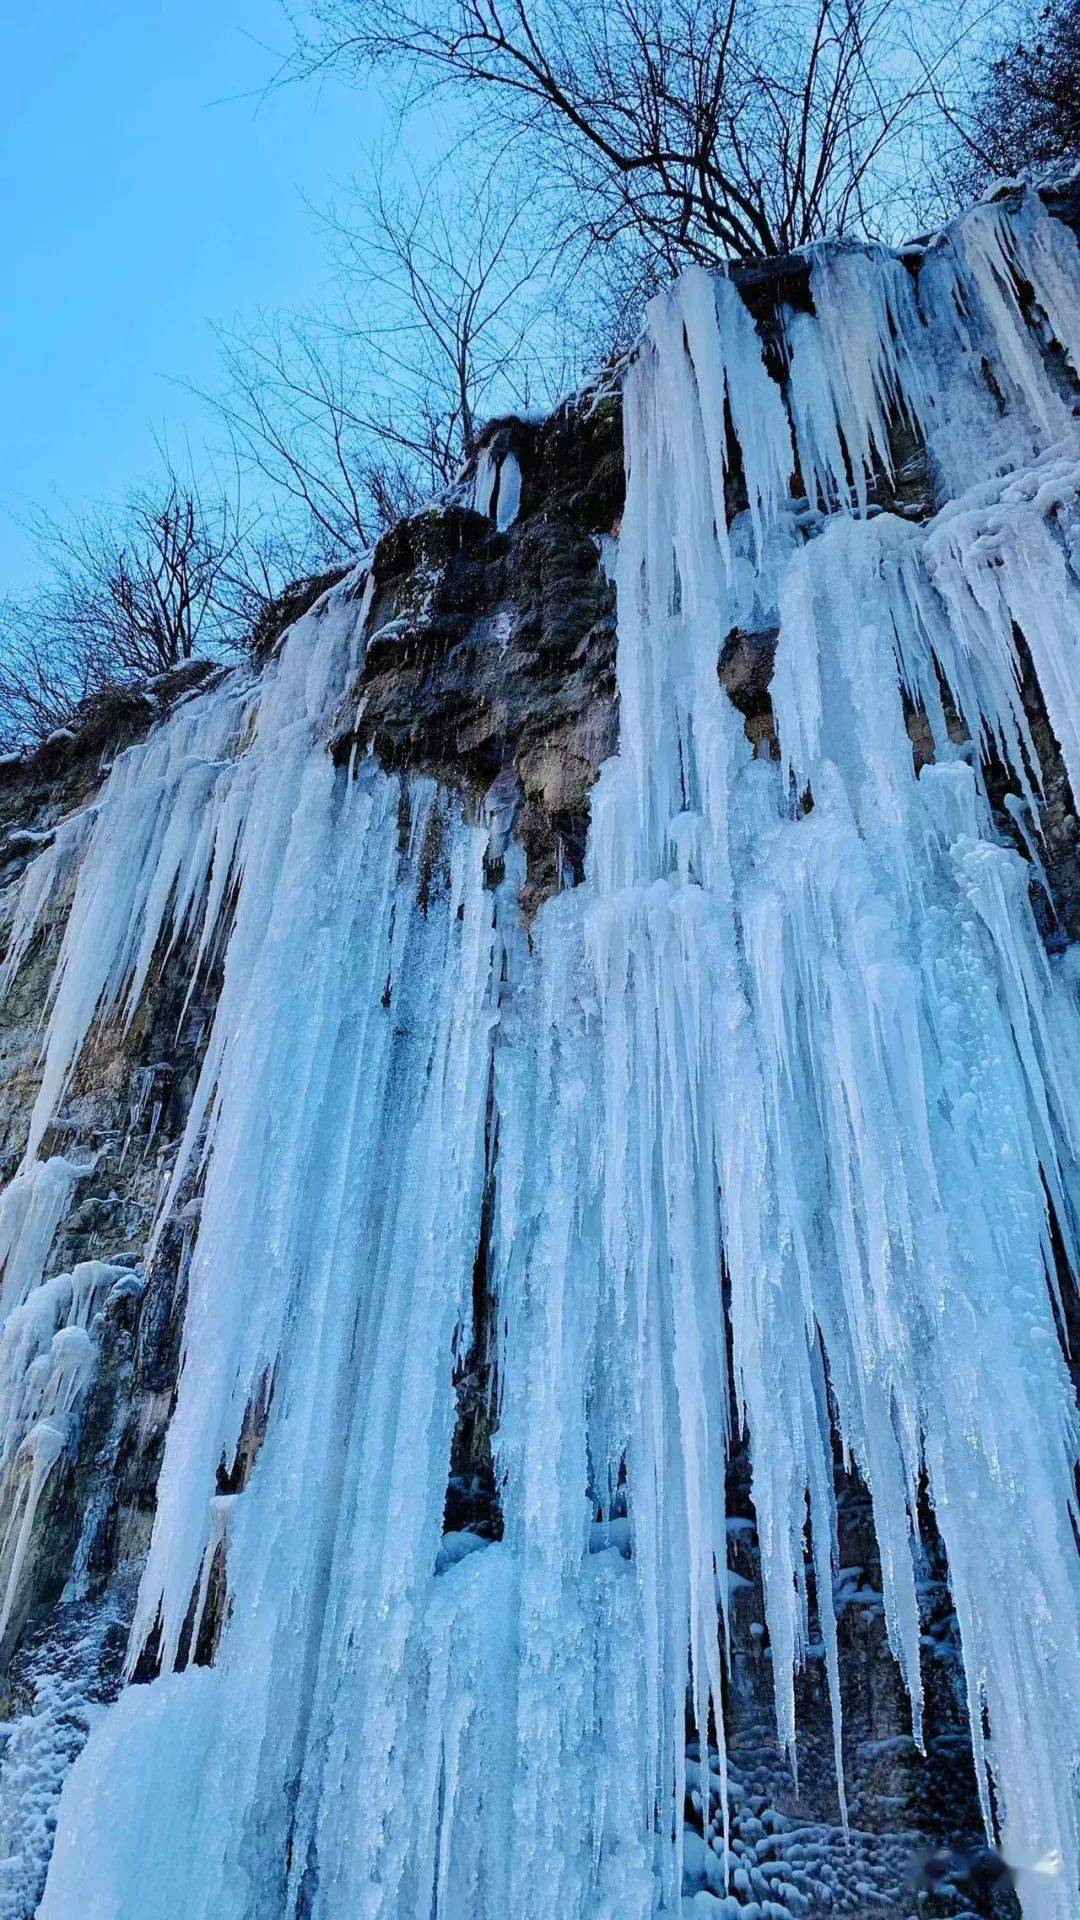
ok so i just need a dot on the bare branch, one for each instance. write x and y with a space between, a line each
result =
711 128
446 315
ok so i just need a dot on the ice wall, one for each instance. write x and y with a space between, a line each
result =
769 1127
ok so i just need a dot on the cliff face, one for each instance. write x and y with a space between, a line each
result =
489 667
492 650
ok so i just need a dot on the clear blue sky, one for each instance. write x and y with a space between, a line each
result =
146 193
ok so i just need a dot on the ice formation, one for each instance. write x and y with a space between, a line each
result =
496 488
779 1110
48 1356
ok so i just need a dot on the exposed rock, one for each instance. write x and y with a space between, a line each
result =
492 651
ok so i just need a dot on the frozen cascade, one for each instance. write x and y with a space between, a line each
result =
48 1356
31 1208
780 1108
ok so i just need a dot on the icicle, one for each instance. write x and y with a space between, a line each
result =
729 370
38 1454
42 881
1003 561
854 362
145 828
47 1355
167 833
509 500
220 1510
341 1283
943 1163
48 1358
785 1092
997 251
31 1208
484 481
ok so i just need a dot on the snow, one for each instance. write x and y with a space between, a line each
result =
26 837
797 1027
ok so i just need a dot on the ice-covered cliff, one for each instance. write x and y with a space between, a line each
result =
538 1265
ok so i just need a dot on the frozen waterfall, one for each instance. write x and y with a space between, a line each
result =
769 1127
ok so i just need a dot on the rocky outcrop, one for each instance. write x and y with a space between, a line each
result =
492 652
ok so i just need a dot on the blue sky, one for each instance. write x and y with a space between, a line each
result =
147 193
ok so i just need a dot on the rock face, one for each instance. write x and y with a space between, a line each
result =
490 666
492 653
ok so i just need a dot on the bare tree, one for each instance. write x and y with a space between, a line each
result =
1020 107
297 410
710 128
445 314
139 585
44 673
131 592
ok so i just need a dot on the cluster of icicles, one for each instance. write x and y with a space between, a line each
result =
781 1109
